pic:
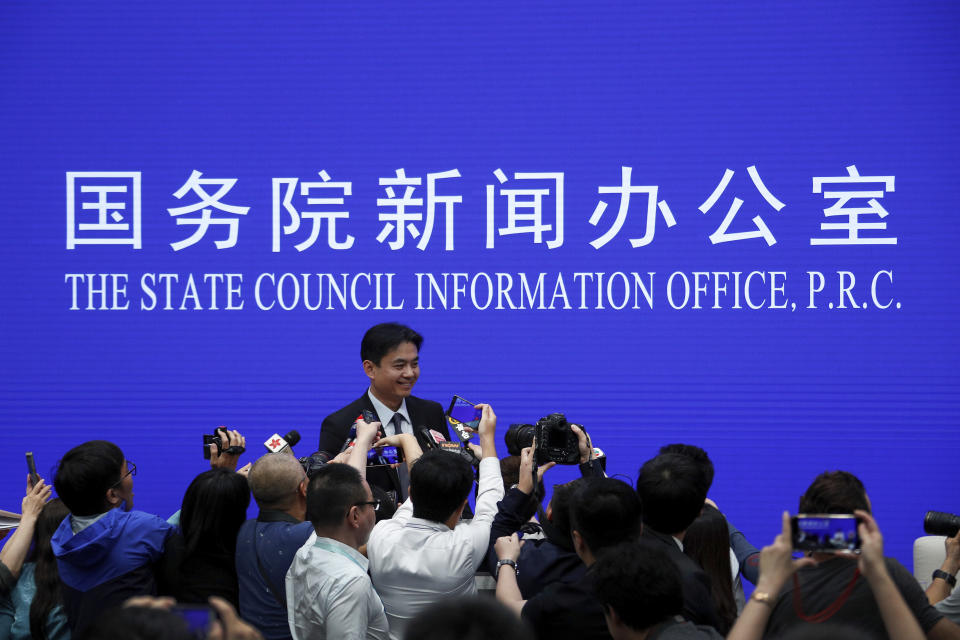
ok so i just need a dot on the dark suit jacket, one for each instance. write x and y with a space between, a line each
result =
336 428
698 604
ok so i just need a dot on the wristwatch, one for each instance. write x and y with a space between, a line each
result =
946 577
508 562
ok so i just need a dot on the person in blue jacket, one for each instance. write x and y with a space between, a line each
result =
105 552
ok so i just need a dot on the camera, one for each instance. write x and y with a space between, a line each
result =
938 523
518 437
556 441
214 439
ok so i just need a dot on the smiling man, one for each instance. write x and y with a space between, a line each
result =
390 353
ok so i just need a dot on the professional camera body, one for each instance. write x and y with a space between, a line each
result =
556 441
938 523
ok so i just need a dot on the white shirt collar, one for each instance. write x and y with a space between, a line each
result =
385 413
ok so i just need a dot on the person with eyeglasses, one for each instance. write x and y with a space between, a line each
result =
329 594
105 551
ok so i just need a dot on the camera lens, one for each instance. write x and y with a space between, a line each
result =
518 437
938 523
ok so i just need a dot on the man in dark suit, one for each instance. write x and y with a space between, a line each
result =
390 355
672 489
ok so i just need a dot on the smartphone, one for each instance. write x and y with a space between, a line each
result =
463 416
32 469
198 617
384 456
825 532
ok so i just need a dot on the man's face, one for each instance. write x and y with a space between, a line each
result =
368 515
124 489
392 378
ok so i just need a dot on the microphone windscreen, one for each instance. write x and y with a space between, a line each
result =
292 437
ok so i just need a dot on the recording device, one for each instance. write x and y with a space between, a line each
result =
436 440
198 617
464 417
825 532
32 469
278 444
218 440
384 456
936 523
556 441
518 437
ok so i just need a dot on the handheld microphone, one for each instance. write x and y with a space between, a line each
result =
278 444
433 439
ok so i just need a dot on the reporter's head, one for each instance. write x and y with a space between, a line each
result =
440 482
696 454
338 497
91 479
672 488
638 585
279 483
604 512
835 492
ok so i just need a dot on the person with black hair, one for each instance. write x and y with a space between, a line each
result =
673 488
390 355
551 558
329 594
744 556
843 588
425 553
604 513
467 618
201 557
105 552
639 587
35 610
707 541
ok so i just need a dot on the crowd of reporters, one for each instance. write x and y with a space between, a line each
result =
331 555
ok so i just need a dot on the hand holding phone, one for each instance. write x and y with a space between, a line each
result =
32 470
464 417
826 532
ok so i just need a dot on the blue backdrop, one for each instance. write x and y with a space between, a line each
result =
115 105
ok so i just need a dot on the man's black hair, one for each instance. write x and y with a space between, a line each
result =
467 618
137 623
84 475
695 453
672 488
381 339
557 529
834 492
439 483
333 489
639 582
605 512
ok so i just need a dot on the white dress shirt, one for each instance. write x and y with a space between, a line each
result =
329 594
416 562
385 414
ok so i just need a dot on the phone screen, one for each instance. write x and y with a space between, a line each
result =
384 456
198 617
463 413
825 532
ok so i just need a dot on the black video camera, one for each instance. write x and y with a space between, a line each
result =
219 440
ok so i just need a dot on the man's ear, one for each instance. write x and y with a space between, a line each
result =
113 498
578 545
368 367
302 488
549 512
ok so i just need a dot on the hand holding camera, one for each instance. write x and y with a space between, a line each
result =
224 448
